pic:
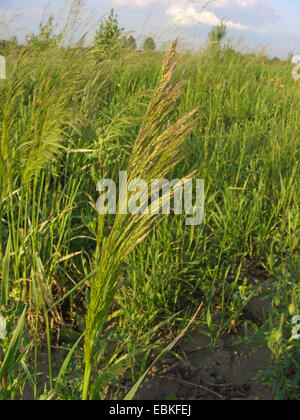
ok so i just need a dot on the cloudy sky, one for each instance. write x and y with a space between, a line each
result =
274 24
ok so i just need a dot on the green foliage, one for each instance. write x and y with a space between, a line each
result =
108 40
129 230
131 43
13 351
217 35
283 374
149 44
46 37
68 120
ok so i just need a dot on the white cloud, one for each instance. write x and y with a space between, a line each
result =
243 14
259 11
190 15
247 4
133 3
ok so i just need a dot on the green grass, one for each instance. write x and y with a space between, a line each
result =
68 121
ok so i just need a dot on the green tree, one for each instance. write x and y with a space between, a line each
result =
13 41
131 43
217 35
46 37
149 44
108 39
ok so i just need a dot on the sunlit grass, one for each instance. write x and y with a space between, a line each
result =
68 121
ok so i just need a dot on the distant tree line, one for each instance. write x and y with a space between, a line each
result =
110 40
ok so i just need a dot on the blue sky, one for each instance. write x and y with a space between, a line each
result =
274 24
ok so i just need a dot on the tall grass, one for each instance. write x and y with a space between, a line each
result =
67 121
155 153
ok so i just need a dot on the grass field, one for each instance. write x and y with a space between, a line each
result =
96 292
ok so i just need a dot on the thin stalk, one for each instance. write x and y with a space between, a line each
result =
155 153
87 378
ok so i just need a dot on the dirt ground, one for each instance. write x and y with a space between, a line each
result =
197 373
227 373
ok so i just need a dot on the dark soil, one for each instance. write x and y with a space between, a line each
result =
229 372
197 372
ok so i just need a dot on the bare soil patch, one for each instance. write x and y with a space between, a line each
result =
229 372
